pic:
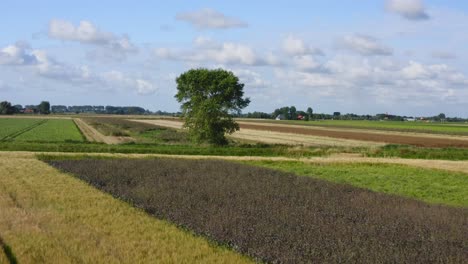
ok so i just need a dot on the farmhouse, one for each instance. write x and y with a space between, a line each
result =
29 111
280 117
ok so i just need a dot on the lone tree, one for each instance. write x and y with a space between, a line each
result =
209 98
44 108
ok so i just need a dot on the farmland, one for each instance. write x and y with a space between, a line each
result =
308 219
422 127
11 127
125 190
39 130
320 136
47 216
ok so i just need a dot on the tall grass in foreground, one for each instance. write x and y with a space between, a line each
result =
280 217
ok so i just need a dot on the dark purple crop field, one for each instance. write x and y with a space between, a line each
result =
278 217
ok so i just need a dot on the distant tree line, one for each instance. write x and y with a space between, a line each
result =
291 113
100 109
6 108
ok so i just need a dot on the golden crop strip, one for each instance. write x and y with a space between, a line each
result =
48 216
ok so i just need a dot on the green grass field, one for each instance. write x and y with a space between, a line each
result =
11 126
434 186
54 130
436 128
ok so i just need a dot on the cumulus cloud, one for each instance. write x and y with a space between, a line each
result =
251 79
17 54
296 46
145 87
409 9
365 45
308 63
119 79
50 68
85 32
380 80
229 53
210 19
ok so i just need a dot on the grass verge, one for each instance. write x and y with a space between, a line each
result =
233 150
49 217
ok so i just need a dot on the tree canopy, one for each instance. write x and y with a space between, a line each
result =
44 107
6 108
209 98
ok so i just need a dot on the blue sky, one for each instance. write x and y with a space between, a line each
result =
396 56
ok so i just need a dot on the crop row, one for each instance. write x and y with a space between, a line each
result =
13 126
39 130
280 217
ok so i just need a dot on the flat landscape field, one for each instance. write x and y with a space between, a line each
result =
107 189
39 130
278 217
310 135
407 126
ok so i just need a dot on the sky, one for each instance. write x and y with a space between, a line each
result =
404 57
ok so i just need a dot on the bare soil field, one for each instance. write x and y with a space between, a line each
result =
279 217
93 135
389 137
272 137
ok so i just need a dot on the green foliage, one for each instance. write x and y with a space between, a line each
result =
44 108
208 98
434 186
6 108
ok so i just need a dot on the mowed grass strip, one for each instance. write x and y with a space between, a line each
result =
54 130
50 217
9 126
280 217
434 186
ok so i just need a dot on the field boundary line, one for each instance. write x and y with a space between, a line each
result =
22 131
445 165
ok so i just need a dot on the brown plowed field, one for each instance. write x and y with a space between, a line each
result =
387 138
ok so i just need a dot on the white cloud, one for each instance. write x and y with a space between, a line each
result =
145 88
409 9
295 46
308 63
381 81
50 68
17 54
110 45
251 79
210 19
119 79
208 50
365 45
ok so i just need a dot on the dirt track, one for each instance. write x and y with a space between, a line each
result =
93 135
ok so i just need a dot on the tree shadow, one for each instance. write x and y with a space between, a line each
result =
8 252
